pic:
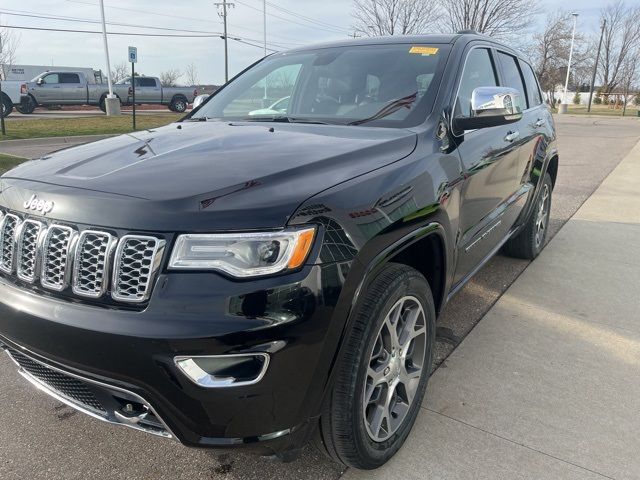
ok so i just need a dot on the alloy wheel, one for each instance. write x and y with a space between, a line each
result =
542 216
395 368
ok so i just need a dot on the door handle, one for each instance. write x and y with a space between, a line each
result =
512 136
540 123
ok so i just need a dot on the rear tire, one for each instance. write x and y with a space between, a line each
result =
102 105
178 105
6 107
531 240
381 377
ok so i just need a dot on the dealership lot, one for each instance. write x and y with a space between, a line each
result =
40 438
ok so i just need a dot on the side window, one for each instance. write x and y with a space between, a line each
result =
512 76
51 78
533 91
69 78
146 82
478 72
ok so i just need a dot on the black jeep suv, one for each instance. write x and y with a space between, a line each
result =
269 269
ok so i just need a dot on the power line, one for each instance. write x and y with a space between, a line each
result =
131 34
173 17
82 20
289 20
304 17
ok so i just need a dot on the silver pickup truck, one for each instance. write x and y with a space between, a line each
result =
13 94
72 88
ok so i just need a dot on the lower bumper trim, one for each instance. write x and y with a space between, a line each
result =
99 400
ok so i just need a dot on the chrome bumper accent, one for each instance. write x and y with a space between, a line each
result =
111 416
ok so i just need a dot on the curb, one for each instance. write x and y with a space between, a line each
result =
54 140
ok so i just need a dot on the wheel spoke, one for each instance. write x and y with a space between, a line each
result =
395 368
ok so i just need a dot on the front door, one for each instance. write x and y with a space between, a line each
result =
490 159
49 90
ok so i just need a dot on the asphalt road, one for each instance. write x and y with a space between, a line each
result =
43 439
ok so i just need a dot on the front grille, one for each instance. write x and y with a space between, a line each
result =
136 260
56 257
66 386
27 255
60 258
90 268
8 229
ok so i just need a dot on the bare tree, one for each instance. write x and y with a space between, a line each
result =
191 74
498 18
550 53
621 38
9 42
120 71
394 17
169 78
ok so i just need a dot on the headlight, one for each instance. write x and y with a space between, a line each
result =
243 254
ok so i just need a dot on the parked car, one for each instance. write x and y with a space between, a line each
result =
72 88
263 280
278 107
13 93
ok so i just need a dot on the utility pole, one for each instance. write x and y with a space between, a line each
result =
564 106
595 64
222 13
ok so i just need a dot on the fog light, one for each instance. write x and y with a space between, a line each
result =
219 371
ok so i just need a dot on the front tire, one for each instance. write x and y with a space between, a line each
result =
531 240
28 106
6 106
383 374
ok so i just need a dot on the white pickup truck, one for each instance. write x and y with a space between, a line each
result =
13 94
72 88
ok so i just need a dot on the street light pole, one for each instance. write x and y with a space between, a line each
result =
595 64
264 31
110 106
566 83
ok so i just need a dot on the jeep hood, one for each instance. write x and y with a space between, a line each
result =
202 175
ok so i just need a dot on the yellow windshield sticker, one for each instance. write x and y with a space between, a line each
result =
423 50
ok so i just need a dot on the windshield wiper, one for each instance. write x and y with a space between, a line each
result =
389 108
197 119
286 119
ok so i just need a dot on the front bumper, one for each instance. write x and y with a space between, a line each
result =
130 354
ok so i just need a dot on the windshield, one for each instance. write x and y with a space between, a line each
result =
374 85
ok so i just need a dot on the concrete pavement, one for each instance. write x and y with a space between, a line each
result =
546 385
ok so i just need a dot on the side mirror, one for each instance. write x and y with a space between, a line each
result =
490 107
40 82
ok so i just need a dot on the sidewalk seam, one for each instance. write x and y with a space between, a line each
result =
518 443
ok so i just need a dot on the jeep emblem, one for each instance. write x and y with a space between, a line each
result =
38 205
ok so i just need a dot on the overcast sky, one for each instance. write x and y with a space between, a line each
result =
156 54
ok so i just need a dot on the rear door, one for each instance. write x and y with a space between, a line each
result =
490 159
73 89
537 128
147 90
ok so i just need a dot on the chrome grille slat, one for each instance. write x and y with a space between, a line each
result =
8 228
91 263
136 261
28 238
57 251
61 258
